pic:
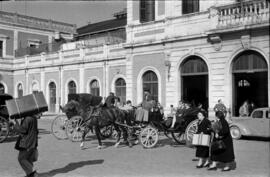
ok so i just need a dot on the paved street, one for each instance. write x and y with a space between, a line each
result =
62 158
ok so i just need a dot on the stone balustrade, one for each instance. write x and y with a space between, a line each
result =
34 22
73 56
245 13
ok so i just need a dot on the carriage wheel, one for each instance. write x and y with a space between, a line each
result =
107 131
190 130
4 129
179 137
149 137
58 127
75 128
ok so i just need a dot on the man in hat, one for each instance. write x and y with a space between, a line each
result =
27 143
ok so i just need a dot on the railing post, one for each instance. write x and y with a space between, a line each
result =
214 17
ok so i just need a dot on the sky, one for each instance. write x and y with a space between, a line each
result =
74 12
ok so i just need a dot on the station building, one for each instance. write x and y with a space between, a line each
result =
199 51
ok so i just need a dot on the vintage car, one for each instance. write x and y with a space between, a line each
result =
257 124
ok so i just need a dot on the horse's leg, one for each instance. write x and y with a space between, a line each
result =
85 131
117 129
97 130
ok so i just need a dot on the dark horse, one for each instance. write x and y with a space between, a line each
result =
97 117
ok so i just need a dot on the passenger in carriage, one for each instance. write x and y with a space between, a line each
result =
110 100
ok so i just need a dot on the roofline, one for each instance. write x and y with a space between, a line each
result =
100 31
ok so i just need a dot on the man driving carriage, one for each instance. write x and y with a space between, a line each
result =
184 115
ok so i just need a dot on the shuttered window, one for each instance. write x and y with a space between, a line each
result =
150 83
190 6
94 88
194 66
249 62
120 89
71 87
20 90
147 10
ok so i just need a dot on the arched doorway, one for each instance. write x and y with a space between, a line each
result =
194 79
52 95
94 88
71 87
2 88
150 84
120 89
250 83
20 90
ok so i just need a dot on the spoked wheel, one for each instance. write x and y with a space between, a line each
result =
4 129
190 130
75 128
107 131
179 137
58 127
149 137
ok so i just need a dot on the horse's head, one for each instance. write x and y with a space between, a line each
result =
72 108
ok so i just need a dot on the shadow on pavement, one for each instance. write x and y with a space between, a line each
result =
42 131
255 138
70 167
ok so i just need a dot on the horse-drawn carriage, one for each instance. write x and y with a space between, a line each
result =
82 114
5 124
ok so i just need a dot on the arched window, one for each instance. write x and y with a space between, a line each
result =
52 95
120 89
35 87
248 62
94 88
194 66
20 90
71 87
150 83
2 88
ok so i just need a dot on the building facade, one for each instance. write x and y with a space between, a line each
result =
199 51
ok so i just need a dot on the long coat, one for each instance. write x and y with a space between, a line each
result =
226 155
203 127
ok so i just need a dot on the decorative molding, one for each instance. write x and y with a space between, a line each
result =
216 41
246 42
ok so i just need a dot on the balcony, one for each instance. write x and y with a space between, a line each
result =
246 13
47 48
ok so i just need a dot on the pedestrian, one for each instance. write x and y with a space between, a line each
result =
220 107
223 137
202 152
244 109
27 143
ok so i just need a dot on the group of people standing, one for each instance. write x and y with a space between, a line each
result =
246 108
219 131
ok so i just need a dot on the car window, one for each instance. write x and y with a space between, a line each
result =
257 114
267 115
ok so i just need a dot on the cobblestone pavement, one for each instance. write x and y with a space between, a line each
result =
62 158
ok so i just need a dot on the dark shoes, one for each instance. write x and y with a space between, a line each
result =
199 166
33 174
212 168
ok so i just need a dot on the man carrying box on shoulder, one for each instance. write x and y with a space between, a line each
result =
27 143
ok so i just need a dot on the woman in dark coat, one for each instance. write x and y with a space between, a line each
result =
203 151
222 132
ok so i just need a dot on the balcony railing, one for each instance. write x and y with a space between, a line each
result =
244 13
47 48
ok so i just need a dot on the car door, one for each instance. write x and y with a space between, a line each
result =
257 122
266 123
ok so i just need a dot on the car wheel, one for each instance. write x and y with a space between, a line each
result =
235 132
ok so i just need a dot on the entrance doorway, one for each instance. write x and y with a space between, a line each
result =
194 76
250 81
